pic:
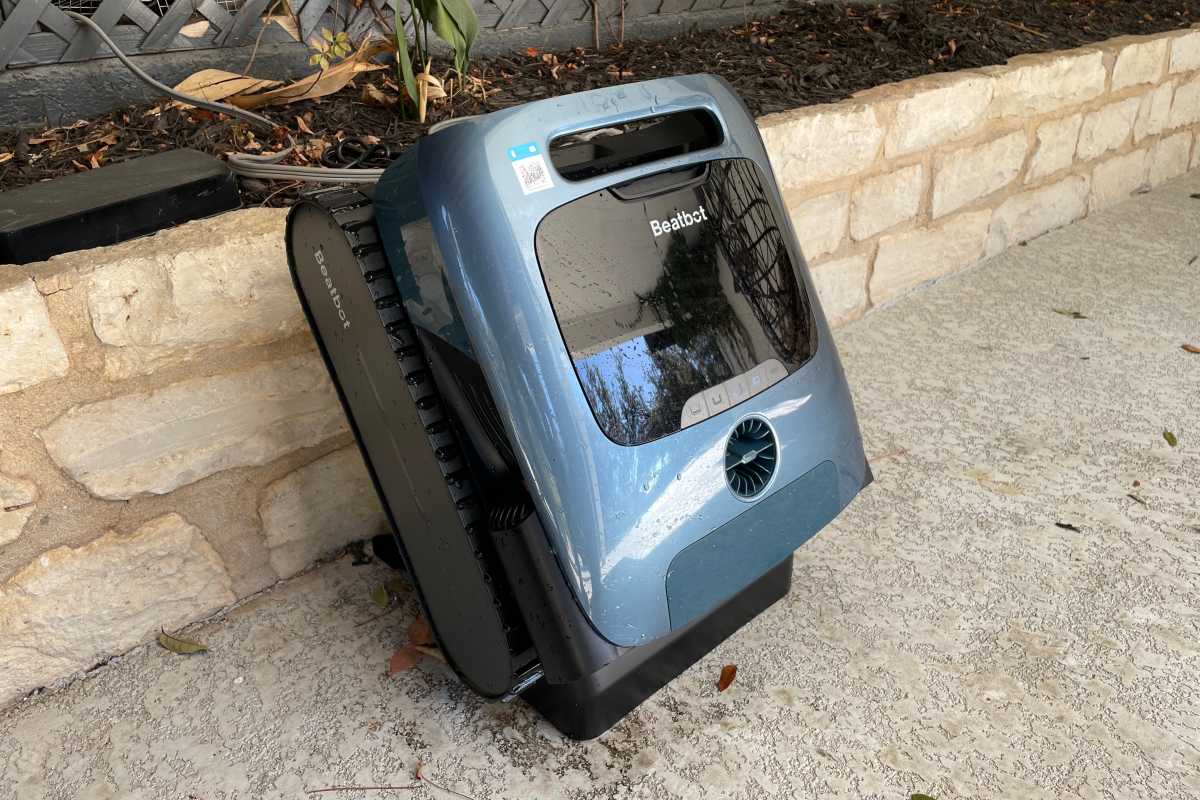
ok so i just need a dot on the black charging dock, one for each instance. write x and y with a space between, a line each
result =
111 204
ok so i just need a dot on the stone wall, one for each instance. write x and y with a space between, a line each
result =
910 181
169 441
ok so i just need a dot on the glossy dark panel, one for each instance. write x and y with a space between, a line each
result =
676 305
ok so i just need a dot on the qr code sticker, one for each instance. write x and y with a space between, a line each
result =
532 174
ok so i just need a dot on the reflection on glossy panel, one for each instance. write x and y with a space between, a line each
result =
677 306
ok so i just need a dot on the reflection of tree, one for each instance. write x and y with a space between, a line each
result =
625 415
758 258
688 297
704 339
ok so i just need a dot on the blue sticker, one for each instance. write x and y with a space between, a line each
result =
527 150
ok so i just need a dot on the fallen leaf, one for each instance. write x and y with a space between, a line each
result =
302 126
922 797
1066 526
419 632
194 30
432 652
184 647
404 658
285 21
319 84
1071 314
381 596
1191 348
5 157
1136 484
1171 439
728 673
532 52
372 95
217 84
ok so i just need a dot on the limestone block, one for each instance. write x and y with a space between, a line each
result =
30 349
1056 141
17 498
73 607
820 223
884 201
1169 158
947 109
1117 178
1140 62
964 176
909 259
842 287
820 143
1185 108
1154 113
1185 52
1030 214
154 306
319 508
1107 128
1040 84
153 443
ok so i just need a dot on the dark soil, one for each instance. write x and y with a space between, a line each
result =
810 53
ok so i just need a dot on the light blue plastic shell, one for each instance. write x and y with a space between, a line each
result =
616 516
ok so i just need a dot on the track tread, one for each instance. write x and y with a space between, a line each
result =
354 214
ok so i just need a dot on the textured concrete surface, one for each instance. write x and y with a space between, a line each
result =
946 635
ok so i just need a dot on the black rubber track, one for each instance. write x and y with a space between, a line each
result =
465 594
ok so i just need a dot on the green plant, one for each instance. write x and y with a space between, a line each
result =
330 47
454 22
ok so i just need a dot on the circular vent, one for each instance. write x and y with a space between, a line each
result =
750 457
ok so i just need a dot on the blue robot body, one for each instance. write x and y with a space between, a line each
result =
609 295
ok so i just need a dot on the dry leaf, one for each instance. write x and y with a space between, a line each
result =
318 84
287 22
302 126
42 139
532 52
1191 348
217 84
184 647
432 652
372 95
194 30
1171 439
5 158
404 658
728 673
419 632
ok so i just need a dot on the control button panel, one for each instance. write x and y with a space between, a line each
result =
715 399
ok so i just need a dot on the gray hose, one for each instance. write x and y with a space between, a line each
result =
267 167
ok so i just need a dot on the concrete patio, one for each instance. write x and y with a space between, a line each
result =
948 635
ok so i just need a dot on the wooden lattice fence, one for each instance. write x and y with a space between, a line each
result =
38 32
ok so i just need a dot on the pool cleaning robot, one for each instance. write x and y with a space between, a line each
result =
587 369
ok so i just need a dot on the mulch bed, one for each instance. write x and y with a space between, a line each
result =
813 52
